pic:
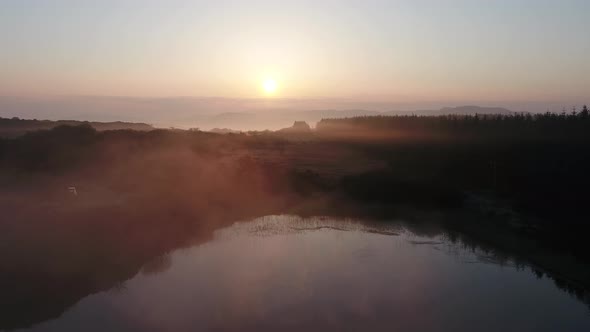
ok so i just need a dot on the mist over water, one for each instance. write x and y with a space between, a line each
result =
291 273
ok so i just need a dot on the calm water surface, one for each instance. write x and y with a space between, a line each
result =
282 273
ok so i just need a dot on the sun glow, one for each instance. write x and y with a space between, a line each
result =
270 86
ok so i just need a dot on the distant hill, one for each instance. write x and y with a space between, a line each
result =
15 127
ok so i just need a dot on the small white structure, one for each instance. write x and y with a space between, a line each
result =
73 191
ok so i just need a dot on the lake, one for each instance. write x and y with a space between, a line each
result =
287 273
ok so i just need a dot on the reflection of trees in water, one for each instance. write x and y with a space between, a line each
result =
34 292
488 254
493 241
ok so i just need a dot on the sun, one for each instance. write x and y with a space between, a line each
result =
270 86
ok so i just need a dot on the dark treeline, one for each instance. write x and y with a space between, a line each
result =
537 163
543 126
12 127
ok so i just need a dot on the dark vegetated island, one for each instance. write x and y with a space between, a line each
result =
512 182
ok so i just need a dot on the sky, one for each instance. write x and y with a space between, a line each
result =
399 51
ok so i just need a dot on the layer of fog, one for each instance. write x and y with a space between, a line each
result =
240 114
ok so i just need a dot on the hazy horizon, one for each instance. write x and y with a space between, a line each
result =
235 113
179 63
